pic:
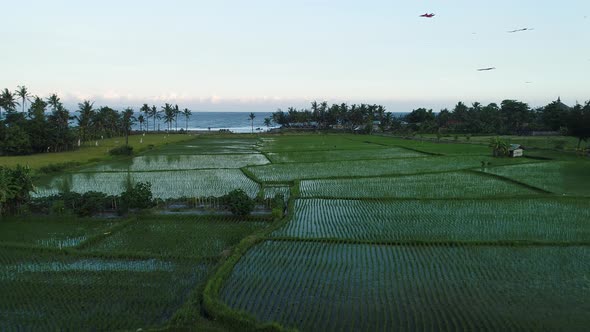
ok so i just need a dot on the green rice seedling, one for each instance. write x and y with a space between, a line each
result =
178 236
51 231
52 291
335 287
208 146
500 220
179 162
334 155
362 168
424 186
567 178
312 142
165 184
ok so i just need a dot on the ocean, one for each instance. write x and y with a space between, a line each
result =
236 122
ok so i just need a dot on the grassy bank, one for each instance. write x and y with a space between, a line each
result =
90 152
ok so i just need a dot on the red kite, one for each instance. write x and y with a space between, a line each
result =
488 68
427 15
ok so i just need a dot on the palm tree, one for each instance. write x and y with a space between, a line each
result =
251 117
187 114
127 121
176 113
267 122
141 120
145 109
8 102
85 117
54 101
23 93
154 114
168 111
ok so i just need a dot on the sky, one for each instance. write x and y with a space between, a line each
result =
259 55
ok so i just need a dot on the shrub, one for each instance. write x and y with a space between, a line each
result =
91 203
238 202
54 168
124 150
138 196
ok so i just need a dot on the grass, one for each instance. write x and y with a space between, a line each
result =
178 236
565 178
356 287
500 220
91 153
423 186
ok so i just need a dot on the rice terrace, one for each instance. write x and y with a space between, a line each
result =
263 165
378 233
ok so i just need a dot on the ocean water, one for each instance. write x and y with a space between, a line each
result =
236 122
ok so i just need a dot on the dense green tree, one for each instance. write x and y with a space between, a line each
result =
554 115
579 122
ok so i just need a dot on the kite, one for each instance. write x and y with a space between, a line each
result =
518 30
488 68
427 15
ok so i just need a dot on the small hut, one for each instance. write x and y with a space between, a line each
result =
515 150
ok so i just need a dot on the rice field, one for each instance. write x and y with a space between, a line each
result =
334 155
355 168
424 186
460 147
178 236
569 178
356 287
51 232
204 145
48 292
384 234
542 220
165 184
271 191
312 142
179 162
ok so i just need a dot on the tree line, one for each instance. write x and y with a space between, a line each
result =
511 117
31 124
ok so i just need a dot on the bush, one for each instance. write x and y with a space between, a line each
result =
138 196
91 203
59 167
121 151
238 202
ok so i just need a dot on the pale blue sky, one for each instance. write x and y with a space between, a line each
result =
259 55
